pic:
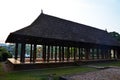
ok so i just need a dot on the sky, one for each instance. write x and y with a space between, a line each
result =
17 14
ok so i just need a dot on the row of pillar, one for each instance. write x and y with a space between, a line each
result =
61 53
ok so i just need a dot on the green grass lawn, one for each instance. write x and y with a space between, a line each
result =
114 63
42 74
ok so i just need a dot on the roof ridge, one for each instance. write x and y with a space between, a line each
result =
43 14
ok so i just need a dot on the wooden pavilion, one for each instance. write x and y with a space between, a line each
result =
64 41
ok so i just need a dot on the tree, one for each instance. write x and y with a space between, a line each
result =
115 35
4 54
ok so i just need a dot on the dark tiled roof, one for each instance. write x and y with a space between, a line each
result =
46 26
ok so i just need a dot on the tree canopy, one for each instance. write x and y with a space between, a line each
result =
4 54
115 35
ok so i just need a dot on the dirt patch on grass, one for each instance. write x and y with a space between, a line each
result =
106 74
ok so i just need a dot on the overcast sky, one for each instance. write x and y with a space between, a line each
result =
16 14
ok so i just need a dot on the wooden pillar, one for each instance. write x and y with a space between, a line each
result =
59 53
48 53
118 54
31 53
114 53
62 53
34 53
79 53
105 53
71 54
74 53
44 52
110 54
22 57
97 53
55 53
68 53
87 52
93 51
16 51
51 52
102 53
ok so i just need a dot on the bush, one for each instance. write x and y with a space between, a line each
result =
4 54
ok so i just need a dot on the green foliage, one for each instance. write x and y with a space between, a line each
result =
4 54
115 35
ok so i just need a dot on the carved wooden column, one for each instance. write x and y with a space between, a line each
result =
22 57
93 52
34 53
16 51
51 52
118 54
44 52
97 53
59 53
48 53
102 53
68 53
114 53
74 53
110 54
55 53
87 52
31 53
62 53
81 53
71 54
